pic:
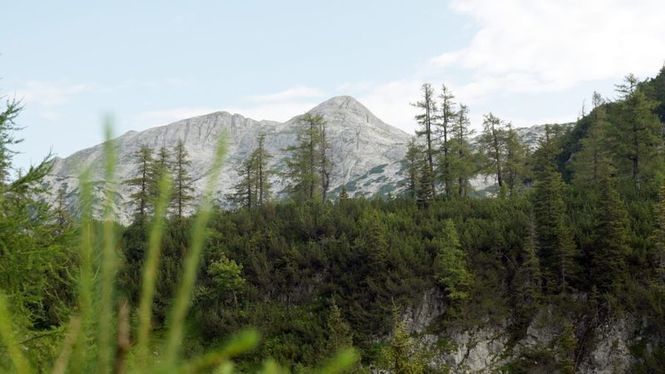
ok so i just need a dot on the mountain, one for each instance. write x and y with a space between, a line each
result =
366 151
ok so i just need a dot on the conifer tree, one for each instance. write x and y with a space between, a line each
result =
160 166
339 331
462 168
425 191
182 186
307 165
373 240
142 182
262 173
451 269
412 163
555 243
492 145
63 218
638 138
516 156
658 257
426 119
594 156
7 139
226 277
402 354
343 194
325 162
245 193
608 258
253 188
526 281
445 125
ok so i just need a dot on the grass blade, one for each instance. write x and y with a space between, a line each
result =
150 268
198 236
109 261
7 335
86 273
60 366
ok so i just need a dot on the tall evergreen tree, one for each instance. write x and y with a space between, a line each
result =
324 160
526 283
638 139
555 243
427 119
262 172
516 158
657 260
451 269
445 129
402 355
245 194
425 191
339 331
412 163
160 166
8 128
462 158
182 186
608 260
142 182
594 157
492 145
253 188
307 166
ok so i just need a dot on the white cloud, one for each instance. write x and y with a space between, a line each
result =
50 94
531 49
531 46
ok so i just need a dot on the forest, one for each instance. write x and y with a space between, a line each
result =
313 280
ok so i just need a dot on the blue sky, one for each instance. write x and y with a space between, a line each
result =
153 62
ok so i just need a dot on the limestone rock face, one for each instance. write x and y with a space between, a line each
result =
366 153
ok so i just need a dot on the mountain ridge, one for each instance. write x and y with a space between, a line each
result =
360 142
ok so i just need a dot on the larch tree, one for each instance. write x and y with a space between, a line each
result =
425 191
462 158
7 139
594 156
451 269
492 145
339 331
142 182
401 354
515 160
556 247
412 163
262 172
244 192
160 166
427 121
657 259
608 260
306 168
182 181
446 121
526 283
638 138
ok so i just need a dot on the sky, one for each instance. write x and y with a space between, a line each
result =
150 62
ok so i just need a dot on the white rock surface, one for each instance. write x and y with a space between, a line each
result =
366 152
